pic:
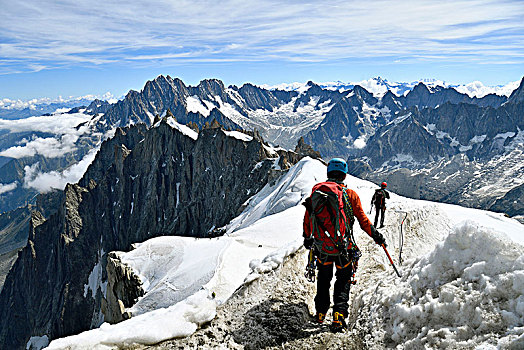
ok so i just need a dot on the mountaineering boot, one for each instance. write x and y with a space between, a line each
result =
319 317
339 324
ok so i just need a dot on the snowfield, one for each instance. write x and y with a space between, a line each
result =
462 284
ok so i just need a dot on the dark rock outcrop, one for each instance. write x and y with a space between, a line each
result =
511 203
517 96
303 149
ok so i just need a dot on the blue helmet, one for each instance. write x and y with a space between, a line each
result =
337 164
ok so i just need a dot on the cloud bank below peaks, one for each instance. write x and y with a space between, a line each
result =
54 180
64 132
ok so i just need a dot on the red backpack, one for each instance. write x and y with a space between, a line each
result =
330 224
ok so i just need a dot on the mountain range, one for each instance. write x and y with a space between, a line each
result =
179 160
413 140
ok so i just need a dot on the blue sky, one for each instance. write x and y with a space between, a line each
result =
78 47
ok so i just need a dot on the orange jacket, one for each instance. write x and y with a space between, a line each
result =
354 199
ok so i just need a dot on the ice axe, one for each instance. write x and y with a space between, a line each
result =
391 260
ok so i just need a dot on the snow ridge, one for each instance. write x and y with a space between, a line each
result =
462 284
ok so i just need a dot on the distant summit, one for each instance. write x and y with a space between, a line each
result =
379 86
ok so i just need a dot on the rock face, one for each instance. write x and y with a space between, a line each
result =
14 226
14 229
143 183
124 287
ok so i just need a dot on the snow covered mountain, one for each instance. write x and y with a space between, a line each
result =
456 152
168 167
379 87
431 142
461 286
280 116
336 122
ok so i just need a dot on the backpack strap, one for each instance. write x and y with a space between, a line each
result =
348 209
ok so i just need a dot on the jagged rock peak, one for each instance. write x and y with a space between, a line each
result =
97 103
249 86
169 114
132 94
214 125
193 126
314 89
164 81
360 91
95 107
214 86
304 149
420 88
256 135
389 95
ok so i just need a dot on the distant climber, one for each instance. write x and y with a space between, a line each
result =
328 232
379 201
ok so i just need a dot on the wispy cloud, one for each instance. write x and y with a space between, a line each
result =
36 35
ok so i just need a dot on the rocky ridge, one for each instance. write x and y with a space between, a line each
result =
144 182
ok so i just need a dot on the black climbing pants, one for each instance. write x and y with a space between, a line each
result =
341 288
382 212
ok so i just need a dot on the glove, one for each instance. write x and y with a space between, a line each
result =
308 242
377 237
